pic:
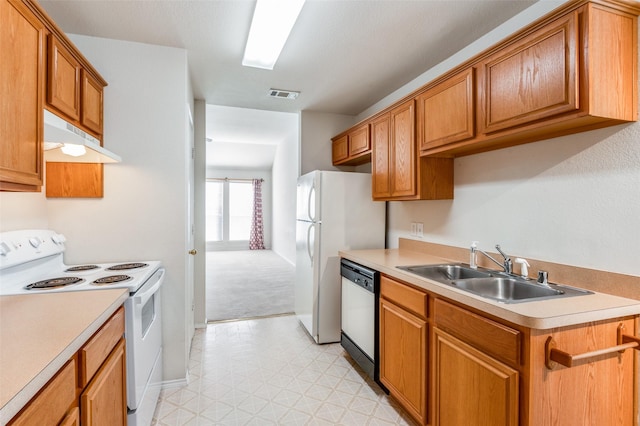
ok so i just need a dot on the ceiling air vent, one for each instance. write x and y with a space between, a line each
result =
283 94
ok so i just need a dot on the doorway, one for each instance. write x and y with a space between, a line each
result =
245 144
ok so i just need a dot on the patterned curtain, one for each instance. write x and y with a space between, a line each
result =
256 239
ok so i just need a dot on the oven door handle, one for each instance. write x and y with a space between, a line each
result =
142 298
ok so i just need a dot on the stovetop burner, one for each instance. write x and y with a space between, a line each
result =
125 266
54 283
112 279
81 268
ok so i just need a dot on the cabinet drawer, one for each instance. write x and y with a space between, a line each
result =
405 296
494 338
51 405
93 354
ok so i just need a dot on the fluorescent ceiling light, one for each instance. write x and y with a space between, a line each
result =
272 22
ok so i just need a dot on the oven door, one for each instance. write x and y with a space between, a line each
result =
143 332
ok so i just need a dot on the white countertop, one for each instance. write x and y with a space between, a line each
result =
40 332
541 314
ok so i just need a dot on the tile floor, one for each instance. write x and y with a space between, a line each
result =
268 371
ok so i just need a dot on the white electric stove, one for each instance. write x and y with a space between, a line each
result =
31 262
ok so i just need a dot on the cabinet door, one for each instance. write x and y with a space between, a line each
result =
63 80
91 115
470 387
22 40
403 358
533 79
446 113
359 140
340 149
380 172
403 151
104 401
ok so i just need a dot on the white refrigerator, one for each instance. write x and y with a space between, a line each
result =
334 212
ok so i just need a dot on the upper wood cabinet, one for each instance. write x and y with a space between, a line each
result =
340 149
72 91
353 147
22 43
556 79
446 113
398 173
533 79
42 68
402 151
63 80
91 103
380 157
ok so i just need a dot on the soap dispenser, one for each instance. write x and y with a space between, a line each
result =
524 267
473 255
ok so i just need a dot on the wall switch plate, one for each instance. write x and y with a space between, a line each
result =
419 230
414 228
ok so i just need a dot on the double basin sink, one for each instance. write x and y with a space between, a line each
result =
493 285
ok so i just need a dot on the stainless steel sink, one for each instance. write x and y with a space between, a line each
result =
492 284
446 272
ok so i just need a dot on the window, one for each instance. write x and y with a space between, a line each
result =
229 210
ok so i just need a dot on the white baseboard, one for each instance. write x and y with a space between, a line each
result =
178 383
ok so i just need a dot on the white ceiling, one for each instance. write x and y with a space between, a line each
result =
342 55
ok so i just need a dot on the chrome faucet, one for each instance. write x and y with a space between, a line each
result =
507 265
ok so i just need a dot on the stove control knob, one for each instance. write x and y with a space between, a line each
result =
58 239
4 248
35 242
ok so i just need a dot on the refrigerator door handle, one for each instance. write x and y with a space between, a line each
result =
309 229
311 196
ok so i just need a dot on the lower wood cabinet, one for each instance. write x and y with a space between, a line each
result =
104 401
55 403
90 390
450 365
403 349
470 387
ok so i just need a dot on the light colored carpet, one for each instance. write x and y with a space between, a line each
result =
247 284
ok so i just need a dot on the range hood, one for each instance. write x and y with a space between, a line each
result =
65 143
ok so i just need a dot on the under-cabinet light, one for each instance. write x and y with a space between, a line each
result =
272 22
73 150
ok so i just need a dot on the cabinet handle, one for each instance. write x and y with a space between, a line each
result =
554 356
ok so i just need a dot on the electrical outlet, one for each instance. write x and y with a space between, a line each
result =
419 229
414 228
